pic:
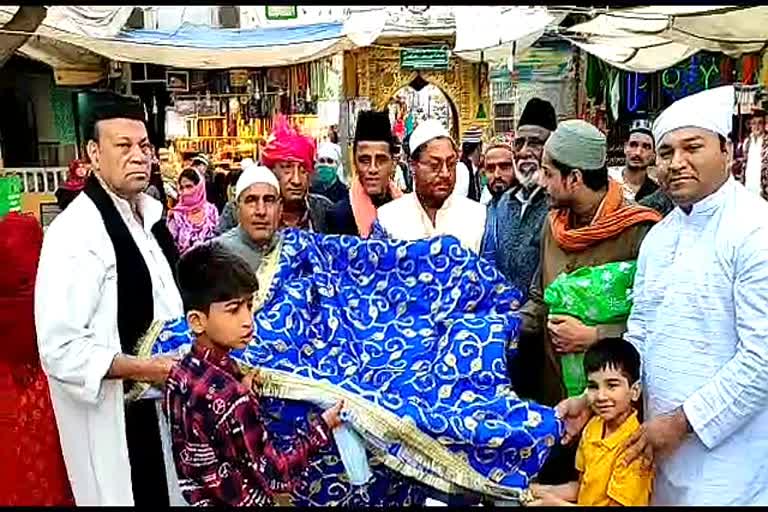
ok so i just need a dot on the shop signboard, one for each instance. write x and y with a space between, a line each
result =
434 58
281 12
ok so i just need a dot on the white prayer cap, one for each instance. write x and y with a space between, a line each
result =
426 131
253 175
711 110
329 150
246 163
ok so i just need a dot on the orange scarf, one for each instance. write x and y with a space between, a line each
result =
612 217
362 207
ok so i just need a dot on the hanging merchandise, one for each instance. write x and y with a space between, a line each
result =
594 77
615 95
749 65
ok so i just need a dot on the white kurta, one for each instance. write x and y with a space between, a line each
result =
700 321
76 320
405 219
754 166
461 187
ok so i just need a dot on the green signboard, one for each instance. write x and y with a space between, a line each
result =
427 58
282 12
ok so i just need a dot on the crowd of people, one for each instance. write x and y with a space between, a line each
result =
671 405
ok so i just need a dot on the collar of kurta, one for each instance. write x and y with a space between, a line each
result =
261 249
148 209
449 202
710 204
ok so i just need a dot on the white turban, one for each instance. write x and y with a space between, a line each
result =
711 110
246 163
428 130
329 150
253 175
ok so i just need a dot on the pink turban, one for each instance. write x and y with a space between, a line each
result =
285 144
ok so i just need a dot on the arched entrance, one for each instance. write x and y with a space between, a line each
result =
420 100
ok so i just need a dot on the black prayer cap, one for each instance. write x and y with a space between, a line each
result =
539 112
104 105
373 126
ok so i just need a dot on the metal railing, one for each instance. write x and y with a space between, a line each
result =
38 180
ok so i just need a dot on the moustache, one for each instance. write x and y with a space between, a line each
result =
527 167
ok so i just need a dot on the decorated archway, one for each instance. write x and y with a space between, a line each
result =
420 100
379 77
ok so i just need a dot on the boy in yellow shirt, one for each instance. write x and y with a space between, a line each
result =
613 384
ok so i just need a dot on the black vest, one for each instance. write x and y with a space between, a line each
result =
135 311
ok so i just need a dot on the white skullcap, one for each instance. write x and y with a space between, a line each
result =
711 110
426 131
329 150
246 163
253 175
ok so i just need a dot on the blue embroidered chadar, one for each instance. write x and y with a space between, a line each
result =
412 335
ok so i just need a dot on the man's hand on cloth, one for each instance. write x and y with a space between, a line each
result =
570 335
252 379
575 413
333 416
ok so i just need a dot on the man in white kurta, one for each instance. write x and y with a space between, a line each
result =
434 208
76 313
700 319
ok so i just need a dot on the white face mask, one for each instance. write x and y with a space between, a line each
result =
527 173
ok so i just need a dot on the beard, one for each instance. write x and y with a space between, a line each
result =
527 173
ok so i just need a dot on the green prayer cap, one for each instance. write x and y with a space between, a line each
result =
578 145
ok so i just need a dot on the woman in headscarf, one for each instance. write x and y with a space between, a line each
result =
193 220
32 471
76 175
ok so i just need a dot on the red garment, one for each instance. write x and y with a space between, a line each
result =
222 452
32 471
76 176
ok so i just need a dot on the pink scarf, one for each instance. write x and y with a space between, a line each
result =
191 202
362 207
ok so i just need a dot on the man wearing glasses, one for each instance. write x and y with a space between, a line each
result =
513 227
432 209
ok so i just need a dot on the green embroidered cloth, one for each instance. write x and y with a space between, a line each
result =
595 295
10 194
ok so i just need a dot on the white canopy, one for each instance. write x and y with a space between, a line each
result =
72 64
646 39
493 31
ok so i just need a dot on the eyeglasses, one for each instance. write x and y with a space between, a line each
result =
326 161
435 166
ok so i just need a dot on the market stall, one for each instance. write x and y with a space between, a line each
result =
228 114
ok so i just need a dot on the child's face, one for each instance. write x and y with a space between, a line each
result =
610 394
228 325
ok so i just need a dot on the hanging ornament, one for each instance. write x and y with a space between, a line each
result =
511 58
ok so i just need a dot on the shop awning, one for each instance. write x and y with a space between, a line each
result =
653 38
200 47
98 31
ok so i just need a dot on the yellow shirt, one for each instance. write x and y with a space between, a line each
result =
603 482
